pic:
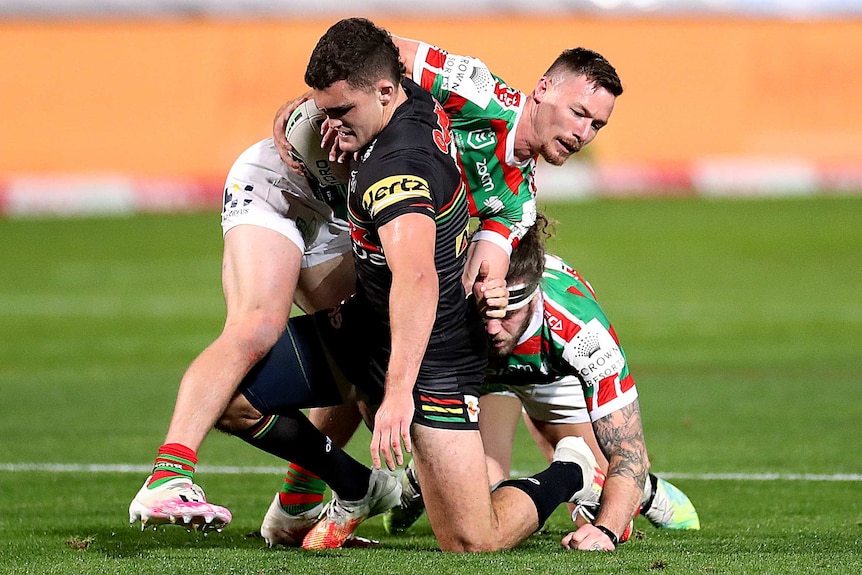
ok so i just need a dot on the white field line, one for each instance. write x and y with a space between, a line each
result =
230 470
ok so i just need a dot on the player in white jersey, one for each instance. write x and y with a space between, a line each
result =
283 242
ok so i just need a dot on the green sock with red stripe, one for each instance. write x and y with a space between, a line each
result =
302 490
173 460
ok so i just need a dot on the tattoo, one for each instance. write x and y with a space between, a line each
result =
620 435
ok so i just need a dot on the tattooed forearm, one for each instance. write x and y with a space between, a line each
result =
620 435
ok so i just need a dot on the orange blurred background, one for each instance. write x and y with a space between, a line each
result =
166 98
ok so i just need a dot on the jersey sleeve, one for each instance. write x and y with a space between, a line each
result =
484 112
453 80
590 344
597 357
505 218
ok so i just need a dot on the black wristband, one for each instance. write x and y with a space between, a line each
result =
614 539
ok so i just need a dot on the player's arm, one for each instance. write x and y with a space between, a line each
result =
409 243
408 49
499 232
620 436
279 124
496 262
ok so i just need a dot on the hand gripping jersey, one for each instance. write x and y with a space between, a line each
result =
484 112
409 168
569 335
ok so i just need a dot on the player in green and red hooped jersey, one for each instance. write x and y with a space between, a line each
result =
557 354
500 132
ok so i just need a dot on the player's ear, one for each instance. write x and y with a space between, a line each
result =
541 90
385 91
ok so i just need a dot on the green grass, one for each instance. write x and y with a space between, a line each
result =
742 321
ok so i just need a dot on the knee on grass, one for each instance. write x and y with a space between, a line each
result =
469 543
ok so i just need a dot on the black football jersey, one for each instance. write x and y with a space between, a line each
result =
410 168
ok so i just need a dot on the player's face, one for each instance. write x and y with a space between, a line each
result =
503 334
357 115
570 114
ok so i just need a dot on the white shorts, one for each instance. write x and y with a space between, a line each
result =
559 402
261 191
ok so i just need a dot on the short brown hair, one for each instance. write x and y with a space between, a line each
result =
355 50
585 62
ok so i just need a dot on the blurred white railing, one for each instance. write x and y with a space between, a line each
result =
794 9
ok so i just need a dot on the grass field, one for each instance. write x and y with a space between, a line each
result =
742 321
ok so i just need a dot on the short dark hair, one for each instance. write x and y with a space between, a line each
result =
527 263
355 50
585 62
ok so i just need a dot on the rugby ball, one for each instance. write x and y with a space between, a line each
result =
303 133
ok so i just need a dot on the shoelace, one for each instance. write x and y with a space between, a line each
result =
588 511
335 512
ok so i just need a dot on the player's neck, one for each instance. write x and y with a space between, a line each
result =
399 98
525 133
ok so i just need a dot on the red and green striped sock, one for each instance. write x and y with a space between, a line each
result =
173 460
301 491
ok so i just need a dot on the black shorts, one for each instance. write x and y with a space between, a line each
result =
446 391
295 374
317 357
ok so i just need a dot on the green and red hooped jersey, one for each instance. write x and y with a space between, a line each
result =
569 335
484 112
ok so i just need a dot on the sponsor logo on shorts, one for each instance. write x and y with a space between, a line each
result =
233 213
235 201
230 199
472 403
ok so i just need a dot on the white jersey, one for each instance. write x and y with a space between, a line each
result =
261 191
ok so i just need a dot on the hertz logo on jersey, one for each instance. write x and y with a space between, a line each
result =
392 190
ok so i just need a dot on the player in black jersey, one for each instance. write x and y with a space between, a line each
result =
407 338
